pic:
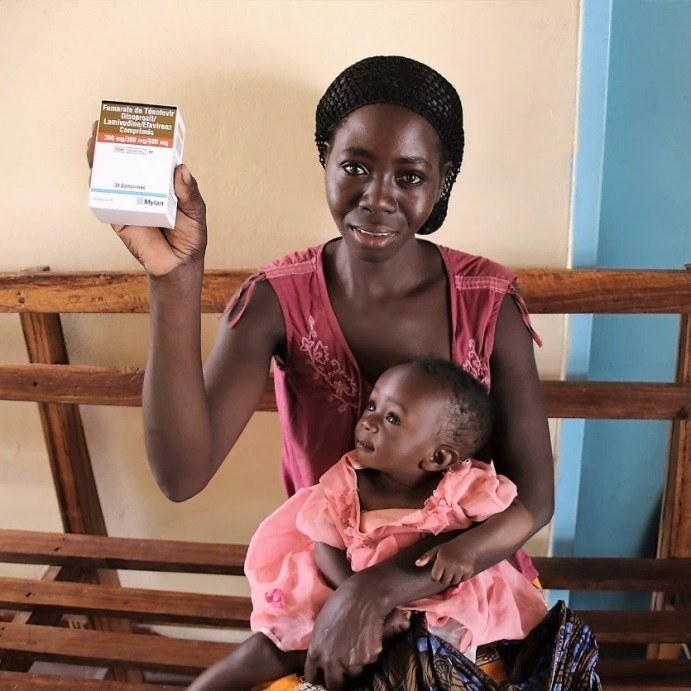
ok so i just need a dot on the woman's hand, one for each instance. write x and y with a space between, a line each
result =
347 635
161 250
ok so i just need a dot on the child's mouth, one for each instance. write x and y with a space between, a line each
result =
360 444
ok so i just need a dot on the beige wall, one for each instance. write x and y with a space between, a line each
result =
247 76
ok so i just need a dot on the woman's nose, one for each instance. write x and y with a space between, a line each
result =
378 195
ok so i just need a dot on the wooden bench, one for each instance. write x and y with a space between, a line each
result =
81 577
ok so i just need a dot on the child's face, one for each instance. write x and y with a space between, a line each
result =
383 178
401 423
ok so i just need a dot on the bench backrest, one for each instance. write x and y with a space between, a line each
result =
38 296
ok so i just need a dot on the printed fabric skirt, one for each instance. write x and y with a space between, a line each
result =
559 654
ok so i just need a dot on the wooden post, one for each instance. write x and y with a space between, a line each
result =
675 523
68 453
70 464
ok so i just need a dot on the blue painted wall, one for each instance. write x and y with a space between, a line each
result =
585 224
644 222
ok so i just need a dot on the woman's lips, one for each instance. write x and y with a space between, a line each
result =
372 237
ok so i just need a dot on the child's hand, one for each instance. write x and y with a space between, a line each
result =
452 562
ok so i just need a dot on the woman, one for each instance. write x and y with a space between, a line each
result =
390 137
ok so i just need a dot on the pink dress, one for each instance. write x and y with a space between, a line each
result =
320 392
288 591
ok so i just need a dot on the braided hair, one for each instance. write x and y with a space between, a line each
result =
400 81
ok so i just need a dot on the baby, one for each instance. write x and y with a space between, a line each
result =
411 474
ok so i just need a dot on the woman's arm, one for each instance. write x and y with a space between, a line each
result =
193 416
521 450
521 447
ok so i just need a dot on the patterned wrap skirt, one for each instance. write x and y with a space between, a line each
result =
559 654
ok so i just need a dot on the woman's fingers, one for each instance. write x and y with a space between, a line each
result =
91 145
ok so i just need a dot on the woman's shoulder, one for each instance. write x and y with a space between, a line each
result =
465 265
300 261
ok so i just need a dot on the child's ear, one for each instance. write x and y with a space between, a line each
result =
440 459
327 152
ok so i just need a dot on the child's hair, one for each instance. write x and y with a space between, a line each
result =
470 415
403 82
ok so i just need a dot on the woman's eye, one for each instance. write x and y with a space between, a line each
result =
353 168
392 418
411 178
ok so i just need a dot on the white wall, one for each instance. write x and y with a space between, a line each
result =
247 76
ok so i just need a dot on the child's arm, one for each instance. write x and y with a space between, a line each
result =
332 563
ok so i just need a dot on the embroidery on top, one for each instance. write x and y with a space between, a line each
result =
475 365
344 387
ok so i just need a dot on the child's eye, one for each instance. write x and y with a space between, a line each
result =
351 168
393 418
370 405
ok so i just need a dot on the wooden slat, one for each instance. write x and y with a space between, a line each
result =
101 292
569 573
612 573
617 291
610 626
133 603
14 681
218 610
592 400
142 651
84 385
44 618
90 551
645 674
106 649
555 291
122 386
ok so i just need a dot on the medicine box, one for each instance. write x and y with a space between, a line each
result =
137 149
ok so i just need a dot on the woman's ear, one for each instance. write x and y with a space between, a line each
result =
441 458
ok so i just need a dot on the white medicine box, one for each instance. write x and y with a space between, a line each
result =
137 149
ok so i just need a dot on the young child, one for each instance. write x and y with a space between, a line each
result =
411 473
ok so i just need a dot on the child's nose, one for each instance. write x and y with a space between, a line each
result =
369 422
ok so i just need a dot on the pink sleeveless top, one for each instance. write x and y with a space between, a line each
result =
320 392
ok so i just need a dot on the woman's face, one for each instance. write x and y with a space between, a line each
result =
383 177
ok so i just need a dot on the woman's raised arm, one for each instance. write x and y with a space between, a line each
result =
194 415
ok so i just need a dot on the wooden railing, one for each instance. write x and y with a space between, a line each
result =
81 577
